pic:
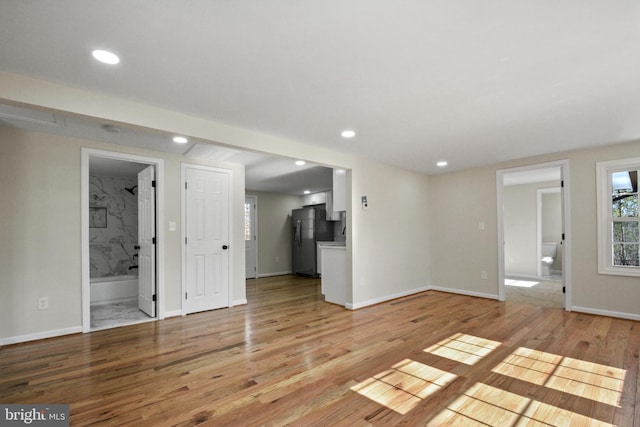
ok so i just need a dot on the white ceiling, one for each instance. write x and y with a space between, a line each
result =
472 82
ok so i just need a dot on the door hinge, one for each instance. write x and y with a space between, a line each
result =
185 185
153 298
185 240
564 290
561 184
153 240
185 295
562 236
153 184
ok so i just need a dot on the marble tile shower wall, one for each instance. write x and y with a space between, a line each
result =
113 237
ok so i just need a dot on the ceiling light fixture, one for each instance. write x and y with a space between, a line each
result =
300 162
307 192
442 163
348 133
180 140
106 57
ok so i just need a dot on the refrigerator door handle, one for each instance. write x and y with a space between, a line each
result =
298 237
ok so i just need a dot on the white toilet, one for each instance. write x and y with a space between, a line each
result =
548 255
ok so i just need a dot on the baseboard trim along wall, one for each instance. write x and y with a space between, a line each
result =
385 298
607 313
464 292
40 335
174 313
417 291
239 302
277 273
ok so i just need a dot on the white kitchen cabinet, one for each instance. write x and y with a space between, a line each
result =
334 274
332 213
325 198
339 195
314 199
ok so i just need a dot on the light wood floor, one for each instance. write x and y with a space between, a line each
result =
288 358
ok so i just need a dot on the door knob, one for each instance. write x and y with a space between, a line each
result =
225 247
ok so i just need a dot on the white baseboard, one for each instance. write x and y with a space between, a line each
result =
385 298
173 313
464 292
277 273
608 313
239 302
40 335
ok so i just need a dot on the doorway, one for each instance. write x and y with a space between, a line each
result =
251 236
532 222
120 265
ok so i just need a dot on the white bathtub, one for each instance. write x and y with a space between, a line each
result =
115 288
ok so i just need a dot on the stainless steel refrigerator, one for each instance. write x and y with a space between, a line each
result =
310 225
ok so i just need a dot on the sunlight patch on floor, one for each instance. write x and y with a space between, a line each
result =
405 385
589 380
463 348
484 405
520 283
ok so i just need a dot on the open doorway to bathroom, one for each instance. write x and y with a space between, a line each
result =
532 224
120 232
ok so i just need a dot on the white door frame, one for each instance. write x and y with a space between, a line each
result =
86 153
254 217
566 213
183 195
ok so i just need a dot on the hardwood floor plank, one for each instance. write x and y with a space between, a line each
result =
289 358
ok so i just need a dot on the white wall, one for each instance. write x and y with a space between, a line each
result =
274 231
460 250
552 225
40 228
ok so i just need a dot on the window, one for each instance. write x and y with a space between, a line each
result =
247 221
618 217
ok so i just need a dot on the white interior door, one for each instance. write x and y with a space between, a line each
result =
146 241
250 237
206 239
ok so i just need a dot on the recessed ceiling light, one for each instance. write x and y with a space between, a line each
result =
442 163
180 140
348 133
300 162
106 57
307 192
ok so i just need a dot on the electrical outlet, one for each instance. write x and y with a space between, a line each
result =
43 303
483 275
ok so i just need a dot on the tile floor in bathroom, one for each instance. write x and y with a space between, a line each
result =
116 314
